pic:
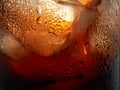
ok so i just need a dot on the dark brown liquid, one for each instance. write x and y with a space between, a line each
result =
90 62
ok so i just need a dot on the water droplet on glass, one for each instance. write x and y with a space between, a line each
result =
39 21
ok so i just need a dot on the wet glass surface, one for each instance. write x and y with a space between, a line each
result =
59 44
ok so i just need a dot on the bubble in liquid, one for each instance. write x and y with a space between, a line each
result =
86 49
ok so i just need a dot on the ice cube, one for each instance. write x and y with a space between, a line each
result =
10 46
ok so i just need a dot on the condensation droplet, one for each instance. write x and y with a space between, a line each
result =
39 10
39 21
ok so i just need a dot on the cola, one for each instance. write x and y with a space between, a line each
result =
59 44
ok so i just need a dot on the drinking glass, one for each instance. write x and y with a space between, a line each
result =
59 44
